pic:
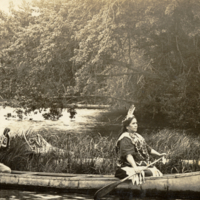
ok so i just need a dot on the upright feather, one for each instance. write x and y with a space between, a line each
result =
130 112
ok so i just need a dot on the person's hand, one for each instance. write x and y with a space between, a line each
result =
163 155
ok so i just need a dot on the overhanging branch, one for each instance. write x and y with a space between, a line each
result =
135 70
98 96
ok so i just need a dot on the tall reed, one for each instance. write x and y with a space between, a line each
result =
183 150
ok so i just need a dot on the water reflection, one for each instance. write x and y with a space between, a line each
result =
22 195
82 122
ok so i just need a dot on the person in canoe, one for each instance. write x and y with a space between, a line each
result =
4 144
134 152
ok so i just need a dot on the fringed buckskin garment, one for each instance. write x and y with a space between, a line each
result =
134 144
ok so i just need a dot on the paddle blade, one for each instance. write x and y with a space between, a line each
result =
105 190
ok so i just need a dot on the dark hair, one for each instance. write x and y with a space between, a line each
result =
125 123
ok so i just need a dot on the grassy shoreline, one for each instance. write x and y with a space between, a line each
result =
96 154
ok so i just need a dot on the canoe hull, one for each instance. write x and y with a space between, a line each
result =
176 185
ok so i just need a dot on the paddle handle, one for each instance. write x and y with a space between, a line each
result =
145 168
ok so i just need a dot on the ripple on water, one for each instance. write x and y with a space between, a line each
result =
22 195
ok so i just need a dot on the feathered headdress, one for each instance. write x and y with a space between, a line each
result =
130 113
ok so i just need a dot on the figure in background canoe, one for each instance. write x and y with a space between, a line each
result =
134 152
72 111
4 144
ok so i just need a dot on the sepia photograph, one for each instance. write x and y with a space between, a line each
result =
99 99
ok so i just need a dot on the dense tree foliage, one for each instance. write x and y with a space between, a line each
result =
117 52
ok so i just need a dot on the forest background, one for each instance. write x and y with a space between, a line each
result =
116 52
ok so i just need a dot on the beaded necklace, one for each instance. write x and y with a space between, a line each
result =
140 145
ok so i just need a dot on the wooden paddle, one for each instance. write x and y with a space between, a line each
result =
108 188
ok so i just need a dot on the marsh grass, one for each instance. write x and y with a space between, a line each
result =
180 148
96 154
83 154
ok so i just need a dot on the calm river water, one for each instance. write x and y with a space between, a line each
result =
84 121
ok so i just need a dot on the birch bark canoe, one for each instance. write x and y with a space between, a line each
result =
186 184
